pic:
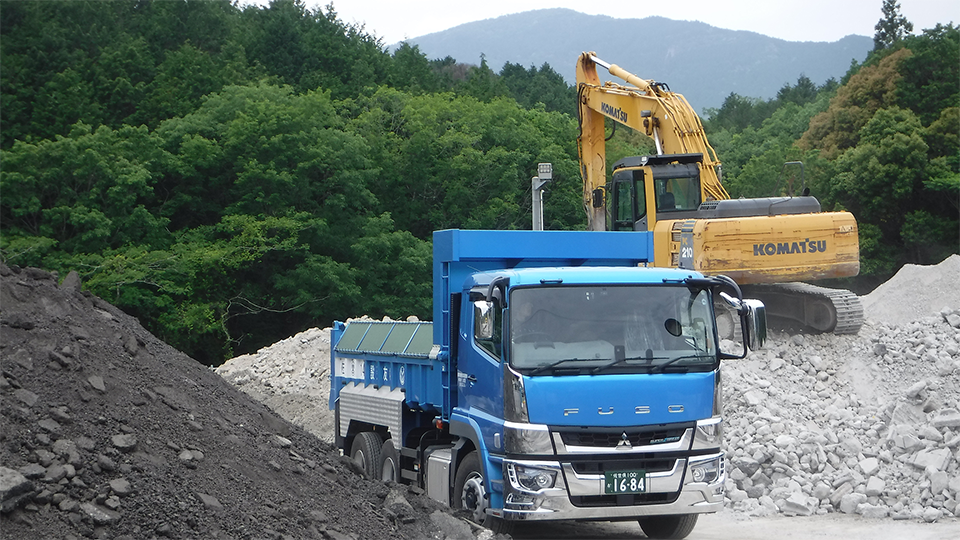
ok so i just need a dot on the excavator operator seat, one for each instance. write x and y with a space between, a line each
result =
667 202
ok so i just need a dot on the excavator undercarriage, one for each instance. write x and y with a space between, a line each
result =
819 309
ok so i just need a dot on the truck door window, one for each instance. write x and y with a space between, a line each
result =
494 345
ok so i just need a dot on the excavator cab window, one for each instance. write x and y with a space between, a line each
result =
678 193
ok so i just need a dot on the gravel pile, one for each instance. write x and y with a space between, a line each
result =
866 424
873 431
291 377
107 432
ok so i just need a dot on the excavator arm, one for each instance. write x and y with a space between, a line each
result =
643 105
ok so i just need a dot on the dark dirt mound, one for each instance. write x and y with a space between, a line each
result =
107 432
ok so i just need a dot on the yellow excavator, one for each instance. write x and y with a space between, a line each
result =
770 244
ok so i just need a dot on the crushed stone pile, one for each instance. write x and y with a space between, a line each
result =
291 377
866 424
915 292
107 432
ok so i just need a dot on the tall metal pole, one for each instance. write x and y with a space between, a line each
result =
544 175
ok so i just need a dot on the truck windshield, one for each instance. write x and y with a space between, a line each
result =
611 329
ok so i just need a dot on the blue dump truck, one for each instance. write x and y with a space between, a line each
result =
560 380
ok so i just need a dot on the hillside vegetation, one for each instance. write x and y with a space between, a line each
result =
232 175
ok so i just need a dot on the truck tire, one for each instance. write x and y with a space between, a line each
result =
470 494
366 452
668 527
389 462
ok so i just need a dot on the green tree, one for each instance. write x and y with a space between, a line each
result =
892 27
753 159
84 193
802 93
872 88
930 75
454 161
309 50
482 83
881 181
543 85
412 72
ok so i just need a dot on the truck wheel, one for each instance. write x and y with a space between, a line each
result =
668 527
366 452
389 462
470 494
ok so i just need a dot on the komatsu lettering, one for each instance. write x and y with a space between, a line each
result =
789 248
616 114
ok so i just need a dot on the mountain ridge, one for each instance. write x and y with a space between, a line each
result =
703 62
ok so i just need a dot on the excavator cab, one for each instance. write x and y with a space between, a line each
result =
648 189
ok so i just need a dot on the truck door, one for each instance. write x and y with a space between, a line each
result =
480 375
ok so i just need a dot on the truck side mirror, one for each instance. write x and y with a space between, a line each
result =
755 316
483 319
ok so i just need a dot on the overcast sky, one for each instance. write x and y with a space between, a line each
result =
792 20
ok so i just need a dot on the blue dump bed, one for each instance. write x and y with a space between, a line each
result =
389 355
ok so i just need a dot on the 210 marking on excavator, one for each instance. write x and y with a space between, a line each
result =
788 248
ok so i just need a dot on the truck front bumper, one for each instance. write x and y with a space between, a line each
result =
580 496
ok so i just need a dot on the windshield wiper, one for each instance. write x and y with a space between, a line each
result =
552 365
660 367
612 363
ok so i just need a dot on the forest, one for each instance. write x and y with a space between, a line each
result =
233 174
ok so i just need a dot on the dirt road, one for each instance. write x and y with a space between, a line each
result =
730 526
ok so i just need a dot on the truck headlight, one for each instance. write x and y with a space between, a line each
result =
531 478
708 471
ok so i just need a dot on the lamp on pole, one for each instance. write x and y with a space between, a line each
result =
544 175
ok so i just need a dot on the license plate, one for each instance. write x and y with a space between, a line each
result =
617 482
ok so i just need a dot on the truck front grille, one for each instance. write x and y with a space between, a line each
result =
611 438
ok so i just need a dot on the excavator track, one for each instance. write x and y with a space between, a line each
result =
817 308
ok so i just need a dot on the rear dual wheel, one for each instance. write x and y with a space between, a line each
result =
365 451
389 462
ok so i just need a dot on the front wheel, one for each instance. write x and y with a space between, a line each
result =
668 527
471 495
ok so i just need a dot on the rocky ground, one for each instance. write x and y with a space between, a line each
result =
815 424
107 432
